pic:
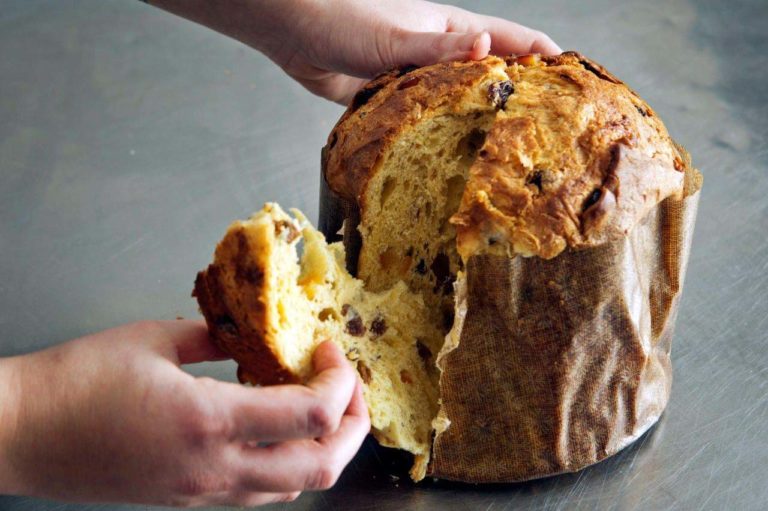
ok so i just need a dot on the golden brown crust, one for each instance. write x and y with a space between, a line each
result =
385 108
575 159
232 293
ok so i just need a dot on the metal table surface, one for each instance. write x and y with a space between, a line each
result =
129 139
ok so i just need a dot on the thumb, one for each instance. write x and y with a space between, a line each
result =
424 48
182 341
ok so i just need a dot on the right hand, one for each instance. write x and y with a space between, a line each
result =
111 417
333 47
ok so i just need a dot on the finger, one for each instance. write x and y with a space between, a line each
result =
507 37
307 464
327 357
424 48
357 406
285 412
505 42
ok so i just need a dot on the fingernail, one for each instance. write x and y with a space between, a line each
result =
478 41
481 46
470 42
469 46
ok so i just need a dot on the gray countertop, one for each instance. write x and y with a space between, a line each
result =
129 139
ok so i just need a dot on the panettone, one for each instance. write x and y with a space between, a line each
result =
539 216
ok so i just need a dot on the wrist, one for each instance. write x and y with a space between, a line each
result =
10 402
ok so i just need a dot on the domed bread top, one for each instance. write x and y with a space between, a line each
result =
573 157
392 104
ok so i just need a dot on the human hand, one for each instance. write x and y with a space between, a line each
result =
332 47
112 417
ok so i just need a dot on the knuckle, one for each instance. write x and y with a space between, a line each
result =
201 428
387 45
193 486
320 420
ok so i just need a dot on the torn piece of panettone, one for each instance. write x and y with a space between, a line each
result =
269 307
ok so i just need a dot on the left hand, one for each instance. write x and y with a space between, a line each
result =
111 417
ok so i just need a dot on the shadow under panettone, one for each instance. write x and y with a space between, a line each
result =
376 470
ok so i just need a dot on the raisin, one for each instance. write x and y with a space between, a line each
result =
326 314
407 84
424 352
592 199
642 111
364 371
292 233
535 179
421 268
406 377
499 92
355 327
378 327
363 96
